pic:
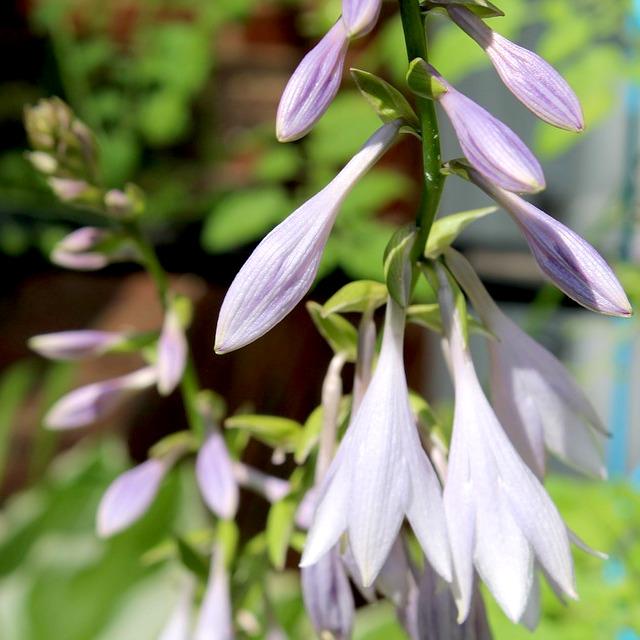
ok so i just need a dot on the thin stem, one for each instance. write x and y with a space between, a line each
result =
416 43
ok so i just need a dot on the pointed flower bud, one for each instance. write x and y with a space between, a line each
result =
327 597
313 85
74 345
81 249
172 353
360 16
536 400
568 260
499 517
272 488
489 145
283 266
178 626
380 474
96 401
529 77
129 497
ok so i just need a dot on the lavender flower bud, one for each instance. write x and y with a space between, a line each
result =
530 78
74 345
568 260
129 497
312 86
489 145
327 597
360 16
79 251
272 488
172 353
72 190
95 401
283 266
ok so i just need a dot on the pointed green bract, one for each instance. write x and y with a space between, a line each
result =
422 82
398 269
358 296
482 8
272 430
445 230
338 332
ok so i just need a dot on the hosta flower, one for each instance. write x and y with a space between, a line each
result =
489 145
568 260
74 345
216 617
172 353
530 78
129 496
80 250
537 402
313 85
283 266
327 596
381 474
95 401
499 517
272 488
360 16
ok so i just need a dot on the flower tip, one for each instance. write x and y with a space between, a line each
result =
285 135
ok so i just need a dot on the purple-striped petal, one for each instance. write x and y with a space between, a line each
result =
129 497
172 353
74 345
360 16
529 77
491 147
312 86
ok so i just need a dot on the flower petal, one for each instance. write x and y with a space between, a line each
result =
172 353
74 345
360 16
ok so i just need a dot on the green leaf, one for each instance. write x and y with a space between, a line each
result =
422 82
358 296
175 444
445 230
482 8
244 216
192 559
398 267
279 530
338 332
426 315
423 410
385 99
228 535
274 431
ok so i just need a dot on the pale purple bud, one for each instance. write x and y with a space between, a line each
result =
529 77
78 250
216 616
312 86
178 625
327 597
360 16
284 265
95 401
491 147
74 345
172 353
216 478
129 497
68 189
381 474
272 488
306 509
568 260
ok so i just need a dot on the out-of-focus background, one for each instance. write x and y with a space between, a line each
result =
183 95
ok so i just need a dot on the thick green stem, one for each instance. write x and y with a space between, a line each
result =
416 43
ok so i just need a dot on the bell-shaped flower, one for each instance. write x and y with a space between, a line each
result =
360 16
491 147
535 398
172 353
96 401
529 77
80 250
215 476
313 85
283 266
75 345
272 488
499 517
216 616
129 496
568 260
381 474
327 596
178 625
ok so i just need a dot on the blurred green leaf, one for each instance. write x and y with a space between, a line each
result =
338 332
279 530
274 431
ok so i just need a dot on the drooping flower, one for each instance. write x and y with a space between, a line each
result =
283 266
327 596
491 147
537 402
380 474
216 618
172 353
75 345
499 517
360 16
568 260
529 77
129 496
93 402
313 85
